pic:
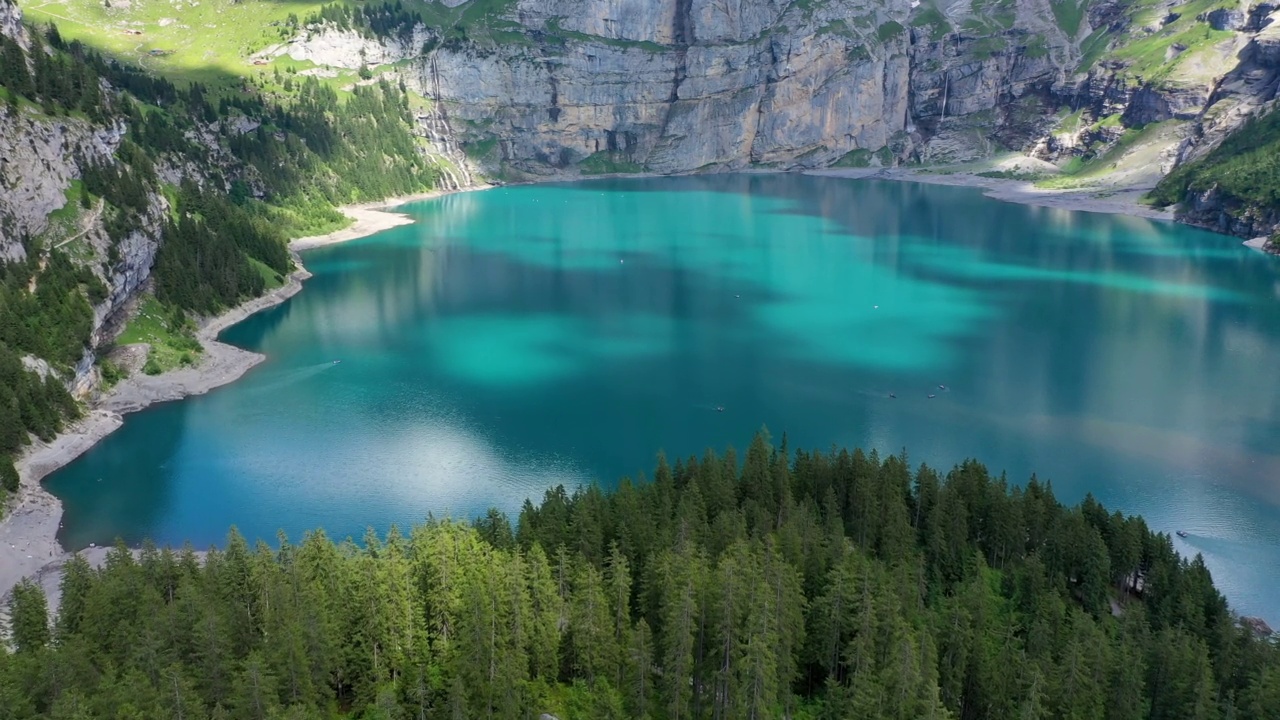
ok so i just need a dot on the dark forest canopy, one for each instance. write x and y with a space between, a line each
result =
820 585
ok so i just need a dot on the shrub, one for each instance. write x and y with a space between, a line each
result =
111 372
8 474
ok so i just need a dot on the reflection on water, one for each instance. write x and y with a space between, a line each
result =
517 338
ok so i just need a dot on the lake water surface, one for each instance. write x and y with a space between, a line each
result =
521 337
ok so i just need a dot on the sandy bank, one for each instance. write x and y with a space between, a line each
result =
1260 244
28 532
370 218
1118 201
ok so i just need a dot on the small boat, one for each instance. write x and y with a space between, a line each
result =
335 362
719 408
931 396
942 387
893 395
1182 533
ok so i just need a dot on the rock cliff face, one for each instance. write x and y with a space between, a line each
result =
11 23
350 49
680 85
39 157
1213 210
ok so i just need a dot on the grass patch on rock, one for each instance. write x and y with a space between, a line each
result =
932 18
169 332
606 162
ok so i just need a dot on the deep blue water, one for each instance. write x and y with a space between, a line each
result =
516 338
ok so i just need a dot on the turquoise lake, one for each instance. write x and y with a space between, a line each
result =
521 337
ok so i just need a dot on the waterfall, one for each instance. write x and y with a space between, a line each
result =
440 134
946 85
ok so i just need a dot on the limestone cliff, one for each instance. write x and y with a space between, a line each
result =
675 86
40 158
536 88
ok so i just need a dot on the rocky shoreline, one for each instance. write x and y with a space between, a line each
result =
28 532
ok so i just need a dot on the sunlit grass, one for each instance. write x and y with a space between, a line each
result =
210 41
170 346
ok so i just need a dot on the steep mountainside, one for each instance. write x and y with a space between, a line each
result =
115 181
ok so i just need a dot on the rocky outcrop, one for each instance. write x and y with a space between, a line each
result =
11 23
1151 104
683 85
328 45
1260 16
129 275
39 157
1226 19
1215 210
1257 626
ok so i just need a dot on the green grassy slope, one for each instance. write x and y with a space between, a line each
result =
209 41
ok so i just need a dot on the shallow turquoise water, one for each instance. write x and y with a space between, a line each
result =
517 338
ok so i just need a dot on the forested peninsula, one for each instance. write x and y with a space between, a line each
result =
805 585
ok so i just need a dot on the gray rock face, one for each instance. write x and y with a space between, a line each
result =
1226 19
1264 49
635 20
38 161
1148 104
11 22
1213 210
681 85
327 45
1260 16
36 168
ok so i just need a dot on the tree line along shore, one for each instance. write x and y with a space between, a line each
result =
788 584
